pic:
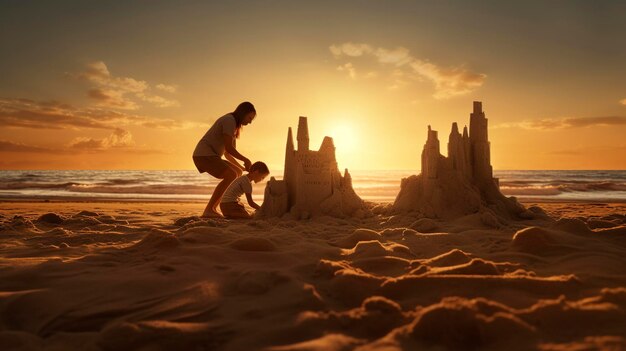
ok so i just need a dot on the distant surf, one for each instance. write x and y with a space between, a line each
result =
377 186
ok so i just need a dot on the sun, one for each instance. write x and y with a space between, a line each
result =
345 137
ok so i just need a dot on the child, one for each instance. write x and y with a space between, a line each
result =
231 206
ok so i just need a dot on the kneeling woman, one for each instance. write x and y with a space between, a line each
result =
219 141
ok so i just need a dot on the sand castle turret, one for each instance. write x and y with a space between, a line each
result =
461 183
303 134
312 183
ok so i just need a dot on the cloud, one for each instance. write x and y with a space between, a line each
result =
448 81
118 139
350 49
622 101
121 92
564 123
26 113
158 101
9 146
588 150
398 56
111 98
167 88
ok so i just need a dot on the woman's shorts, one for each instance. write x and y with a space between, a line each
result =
213 165
234 210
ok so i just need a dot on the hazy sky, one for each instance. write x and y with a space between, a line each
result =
135 84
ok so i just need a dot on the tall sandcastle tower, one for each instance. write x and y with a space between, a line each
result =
311 184
461 183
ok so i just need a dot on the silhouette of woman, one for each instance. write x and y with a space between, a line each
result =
219 141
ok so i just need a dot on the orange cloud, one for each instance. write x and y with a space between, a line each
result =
448 81
26 113
9 146
122 92
111 98
167 88
118 139
563 123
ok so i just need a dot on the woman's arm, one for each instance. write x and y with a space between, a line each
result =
230 149
232 160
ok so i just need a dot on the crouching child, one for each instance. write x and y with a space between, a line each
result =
231 205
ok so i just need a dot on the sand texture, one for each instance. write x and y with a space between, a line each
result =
150 276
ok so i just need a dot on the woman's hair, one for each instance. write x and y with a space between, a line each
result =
240 112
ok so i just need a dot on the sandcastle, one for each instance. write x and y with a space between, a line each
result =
461 183
312 184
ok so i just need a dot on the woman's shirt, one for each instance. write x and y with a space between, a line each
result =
212 143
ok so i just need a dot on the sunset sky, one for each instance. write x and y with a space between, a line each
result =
134 85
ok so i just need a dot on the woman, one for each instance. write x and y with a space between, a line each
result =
219 141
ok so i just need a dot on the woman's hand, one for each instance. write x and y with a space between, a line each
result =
247 164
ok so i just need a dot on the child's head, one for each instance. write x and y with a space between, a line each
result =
258 171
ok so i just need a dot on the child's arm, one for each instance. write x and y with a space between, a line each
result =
251 202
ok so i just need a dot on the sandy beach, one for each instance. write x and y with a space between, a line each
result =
150 276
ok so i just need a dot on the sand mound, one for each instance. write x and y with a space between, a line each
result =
50 218
357 236
330 342
459 324
351 287
376 316
160 335
425 225
185 220
476 266
374 248
571 225
601 223
157 239
613 232
451 258
383 265
86 214
533 240
205 235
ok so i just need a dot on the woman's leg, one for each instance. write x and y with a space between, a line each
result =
227 176
235 168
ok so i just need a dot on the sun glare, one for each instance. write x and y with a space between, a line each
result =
345 137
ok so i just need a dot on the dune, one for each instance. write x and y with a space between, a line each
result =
152 276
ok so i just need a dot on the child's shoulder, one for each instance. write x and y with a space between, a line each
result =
244 178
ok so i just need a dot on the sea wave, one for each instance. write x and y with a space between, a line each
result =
369 185
556 188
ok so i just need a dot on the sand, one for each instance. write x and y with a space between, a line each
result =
149 276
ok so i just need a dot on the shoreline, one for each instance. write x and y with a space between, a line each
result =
70 199
160 211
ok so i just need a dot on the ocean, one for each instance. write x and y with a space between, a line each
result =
377 186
